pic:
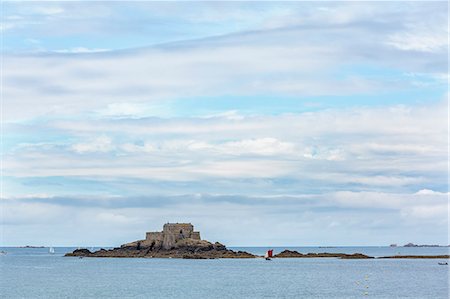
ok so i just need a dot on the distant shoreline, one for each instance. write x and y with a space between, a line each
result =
28 246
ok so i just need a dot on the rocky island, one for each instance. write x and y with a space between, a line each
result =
423 245
177 240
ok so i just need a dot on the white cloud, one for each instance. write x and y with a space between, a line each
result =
101 144
390 147
110 121
48 10
297 64
80 50
231 114
134 148
113 218
133 110
330 154
123 109
312 219
260 146
416 41
427 32
426 192
439 212
397 201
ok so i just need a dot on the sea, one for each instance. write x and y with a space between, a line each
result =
36 273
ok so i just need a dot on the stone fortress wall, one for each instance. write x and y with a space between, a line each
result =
154 236
173 232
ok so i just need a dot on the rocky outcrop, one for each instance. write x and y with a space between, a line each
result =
296 254
186 248
355 256
179 240
289 254
345 256
201 249
423 245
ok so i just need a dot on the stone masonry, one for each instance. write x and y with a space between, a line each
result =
173 232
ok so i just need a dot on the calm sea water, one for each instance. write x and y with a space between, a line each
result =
34 273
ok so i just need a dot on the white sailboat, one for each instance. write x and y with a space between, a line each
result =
51 250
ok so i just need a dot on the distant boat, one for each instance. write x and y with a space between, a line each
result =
51 250
443 264
269 254
3 252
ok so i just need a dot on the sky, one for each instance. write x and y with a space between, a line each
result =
262 123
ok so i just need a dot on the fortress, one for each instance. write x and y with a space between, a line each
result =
172 233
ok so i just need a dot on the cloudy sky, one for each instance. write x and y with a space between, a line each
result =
261 123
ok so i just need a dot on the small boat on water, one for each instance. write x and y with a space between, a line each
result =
51 250
3 252
269 255
443 264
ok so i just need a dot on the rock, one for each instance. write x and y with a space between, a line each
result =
79 252
195 256
219 247
356 256
422 245
288 254
296 254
